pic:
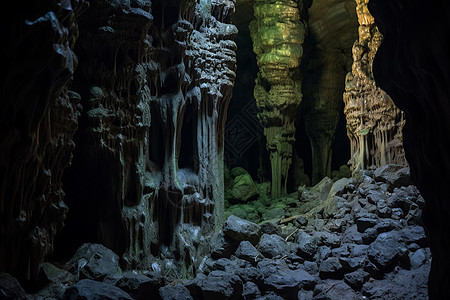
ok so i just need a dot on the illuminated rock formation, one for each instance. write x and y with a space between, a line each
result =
278 34
38 120
155 89
374 123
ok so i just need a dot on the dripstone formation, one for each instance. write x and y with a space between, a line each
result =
374 123
278 33
155 89
38 119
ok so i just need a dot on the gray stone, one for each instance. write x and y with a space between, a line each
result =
140 286
271 228
241 230
248 252
94 261
385 250
417 258
221 285
351 263
92 290
307 246
250 290
273 245
301 221
414 234
174 292
394 175
222 246
356 279
352 235
365 223
331 268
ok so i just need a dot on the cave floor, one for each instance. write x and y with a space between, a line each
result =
353 238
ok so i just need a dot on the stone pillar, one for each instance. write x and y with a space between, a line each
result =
278 34
374 123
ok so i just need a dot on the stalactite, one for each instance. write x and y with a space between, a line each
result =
278 34
374 123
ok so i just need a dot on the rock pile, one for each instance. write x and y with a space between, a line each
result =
362 239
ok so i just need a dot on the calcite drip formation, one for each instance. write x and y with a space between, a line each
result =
278 33
374 123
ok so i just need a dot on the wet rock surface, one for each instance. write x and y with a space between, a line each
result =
356 254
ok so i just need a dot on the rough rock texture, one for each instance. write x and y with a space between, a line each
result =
374 123
412 65
278 33
38 119
147 178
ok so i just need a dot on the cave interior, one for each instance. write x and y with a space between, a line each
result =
225 149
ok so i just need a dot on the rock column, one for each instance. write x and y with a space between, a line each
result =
374 123
278 34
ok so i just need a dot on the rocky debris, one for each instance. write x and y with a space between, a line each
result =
94 261
355 254
248 252
174 292
272 245
239 230
90 289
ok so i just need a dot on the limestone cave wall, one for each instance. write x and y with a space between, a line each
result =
413 66
155 79
38 119
374 123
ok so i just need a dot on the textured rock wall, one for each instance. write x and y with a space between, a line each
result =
147 178
374 123
413 66
278 33
38 119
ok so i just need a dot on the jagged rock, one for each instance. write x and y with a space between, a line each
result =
356 279
331 268
334 289
301 221
174 292
285 282
221 285
94 261
323 252
394 175
250 290
352 235
248 252
417 258
351 263
91 290
222 246
244 189
241 230
414 234
307 246
365 223
271 228
140 286
272 245
305 295
10 288
385 250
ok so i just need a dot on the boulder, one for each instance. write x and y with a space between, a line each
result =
331 268
221 285
88 289
94 261
273 245
139 286
307 245
174 292
244 189
239 230
248 252
385 250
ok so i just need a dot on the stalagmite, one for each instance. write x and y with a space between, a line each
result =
278 34
374 123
